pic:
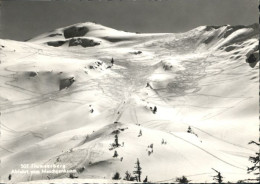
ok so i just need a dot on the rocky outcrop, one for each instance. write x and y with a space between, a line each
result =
56 43
75 32
83 42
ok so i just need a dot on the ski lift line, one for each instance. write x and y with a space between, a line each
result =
5 129
199 174
218 137
6 149
201 107
207 152
67 101
156 121
16 106
29 107
14 138
26 132
38 99
14 131
136 116
11 130
221 112
197 129
6 77
20 88
201 94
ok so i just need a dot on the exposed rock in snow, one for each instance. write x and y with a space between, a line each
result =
65 83
56 43
75 31
83 42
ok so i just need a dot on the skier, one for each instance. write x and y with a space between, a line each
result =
91 109
155 109
112 61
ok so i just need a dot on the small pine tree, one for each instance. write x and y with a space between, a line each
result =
58 159
116 176
183 180
240 181
81 169
115 154
163 141
218 178
145 180
116 141
127 176
72 176
255 160
138 171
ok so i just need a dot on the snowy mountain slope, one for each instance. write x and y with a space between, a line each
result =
59 103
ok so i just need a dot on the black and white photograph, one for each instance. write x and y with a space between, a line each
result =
129 91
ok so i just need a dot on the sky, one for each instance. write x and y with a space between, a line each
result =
24 19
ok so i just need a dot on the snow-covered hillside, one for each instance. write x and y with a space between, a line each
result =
63 102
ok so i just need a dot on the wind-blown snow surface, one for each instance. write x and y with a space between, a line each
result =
60 97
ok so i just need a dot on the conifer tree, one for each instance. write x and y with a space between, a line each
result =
138 171
116 176
255 160
116 141
145 180
218 178
183 180
115 154
127 176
